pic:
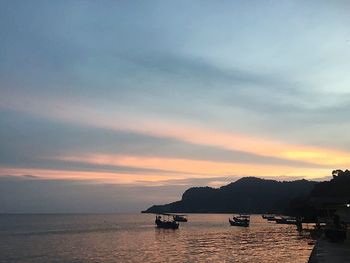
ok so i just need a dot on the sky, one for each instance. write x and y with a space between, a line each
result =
118 105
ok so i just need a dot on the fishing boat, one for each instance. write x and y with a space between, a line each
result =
240 220
180 218
269 217
166 223
287 220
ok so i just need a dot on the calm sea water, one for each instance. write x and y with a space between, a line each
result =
134 238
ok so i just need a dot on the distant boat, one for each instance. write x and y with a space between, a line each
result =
180 218
273 218
166 223
287 220
240 220
269 217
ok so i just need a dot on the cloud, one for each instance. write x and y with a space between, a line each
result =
258 85
35 142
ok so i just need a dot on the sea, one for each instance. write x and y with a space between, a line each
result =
134 238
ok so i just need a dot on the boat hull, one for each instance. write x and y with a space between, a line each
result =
166 224
180 219
271 219
286 221
238 223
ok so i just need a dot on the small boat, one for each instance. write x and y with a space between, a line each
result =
287 220
240 220
166 223
269 217
272 218
180 218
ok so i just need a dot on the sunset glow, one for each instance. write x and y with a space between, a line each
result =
315 162
139 102
174 131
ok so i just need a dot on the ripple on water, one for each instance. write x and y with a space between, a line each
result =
133 238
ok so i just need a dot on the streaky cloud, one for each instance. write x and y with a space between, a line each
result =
50 138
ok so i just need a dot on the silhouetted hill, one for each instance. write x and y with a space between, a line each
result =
246 195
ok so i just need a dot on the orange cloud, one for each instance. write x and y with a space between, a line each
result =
202 135
206 136
102 177
248 143
197 168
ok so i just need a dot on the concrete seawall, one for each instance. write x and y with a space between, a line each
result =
329 252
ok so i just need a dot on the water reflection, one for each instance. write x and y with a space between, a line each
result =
133 238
